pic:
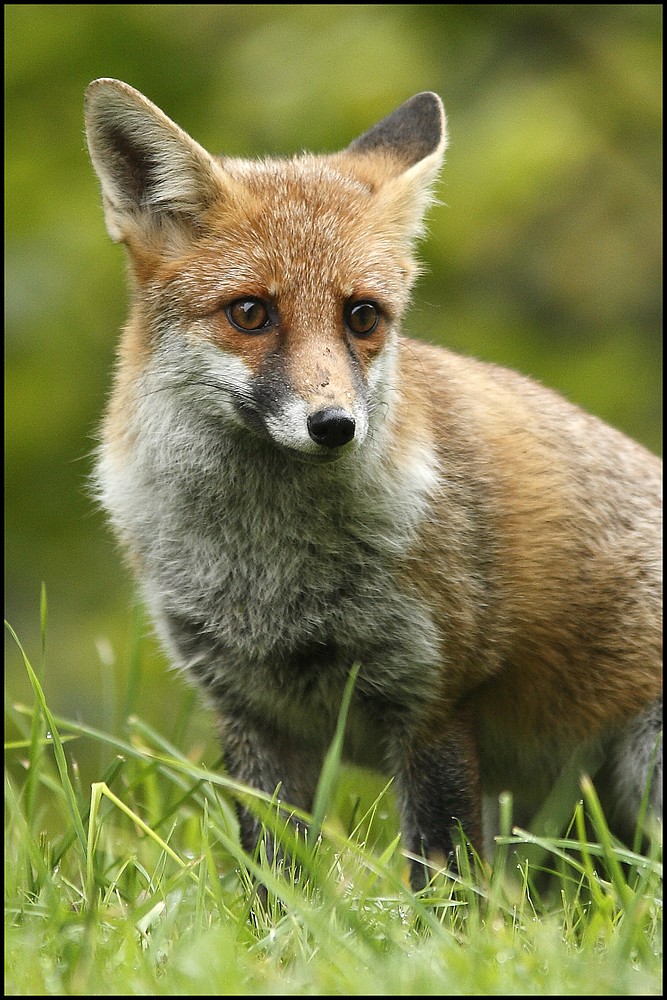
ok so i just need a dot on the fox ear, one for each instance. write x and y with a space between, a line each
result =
150 169
411 143
414 133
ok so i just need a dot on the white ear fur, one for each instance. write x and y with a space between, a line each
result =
410 193
148 166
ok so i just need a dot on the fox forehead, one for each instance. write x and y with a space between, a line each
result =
343 223
292 227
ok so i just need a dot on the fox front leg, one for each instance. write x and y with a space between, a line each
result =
439 790
262 758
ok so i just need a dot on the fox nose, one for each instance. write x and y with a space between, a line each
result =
332 427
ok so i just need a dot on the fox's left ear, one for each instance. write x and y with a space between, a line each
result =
411 143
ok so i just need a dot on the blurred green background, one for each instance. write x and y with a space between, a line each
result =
545 256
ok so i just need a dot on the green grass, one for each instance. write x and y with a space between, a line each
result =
136 884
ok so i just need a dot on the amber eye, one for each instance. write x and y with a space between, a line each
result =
361 318
249 315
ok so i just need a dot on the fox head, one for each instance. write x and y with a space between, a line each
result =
277 286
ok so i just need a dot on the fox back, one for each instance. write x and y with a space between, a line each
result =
299 487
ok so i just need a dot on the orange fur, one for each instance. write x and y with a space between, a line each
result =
300 495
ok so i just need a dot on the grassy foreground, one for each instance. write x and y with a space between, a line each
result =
137 885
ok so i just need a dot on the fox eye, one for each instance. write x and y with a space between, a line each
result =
361 318
249 315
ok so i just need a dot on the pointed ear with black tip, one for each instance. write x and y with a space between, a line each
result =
150 169
411 144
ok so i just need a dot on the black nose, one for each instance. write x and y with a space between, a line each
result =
332 427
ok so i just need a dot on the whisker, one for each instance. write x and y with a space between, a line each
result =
236 392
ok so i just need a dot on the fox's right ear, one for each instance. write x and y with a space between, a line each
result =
411 143
150 168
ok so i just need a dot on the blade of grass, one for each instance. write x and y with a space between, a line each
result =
594 885
99 789
331 765
604 836
59 752
200 913
501 851
37 727
27 839
108 778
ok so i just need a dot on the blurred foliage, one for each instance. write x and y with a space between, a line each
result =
546 258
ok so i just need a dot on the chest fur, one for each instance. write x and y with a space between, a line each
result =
268 576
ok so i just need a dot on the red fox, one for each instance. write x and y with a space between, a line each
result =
300 487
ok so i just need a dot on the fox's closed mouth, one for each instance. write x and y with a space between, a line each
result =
323 456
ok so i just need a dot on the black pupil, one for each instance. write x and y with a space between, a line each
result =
363 317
